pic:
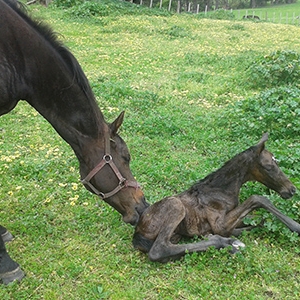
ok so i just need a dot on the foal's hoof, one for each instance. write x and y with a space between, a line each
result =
8 277
237 245
7 236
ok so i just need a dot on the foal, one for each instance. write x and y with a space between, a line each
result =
211 207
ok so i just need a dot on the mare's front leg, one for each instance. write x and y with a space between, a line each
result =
5 234
9 269
234 217
163 249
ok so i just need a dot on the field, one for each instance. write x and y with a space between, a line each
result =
284 14
196 92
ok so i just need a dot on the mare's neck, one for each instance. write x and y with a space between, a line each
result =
68 104
59 90
79 122
76 119
45 74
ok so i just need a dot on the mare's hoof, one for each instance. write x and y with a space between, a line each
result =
8 277
7 236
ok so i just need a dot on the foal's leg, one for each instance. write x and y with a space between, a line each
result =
234 217
9 269
163 250
5 234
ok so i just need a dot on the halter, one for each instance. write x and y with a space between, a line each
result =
108 160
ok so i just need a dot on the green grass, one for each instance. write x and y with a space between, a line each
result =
184 84
284 14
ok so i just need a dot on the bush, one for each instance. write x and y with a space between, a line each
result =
89 8
67 3
279 68
221 14
275 110
101 8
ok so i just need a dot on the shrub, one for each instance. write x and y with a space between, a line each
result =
275 110
221 14
67 3
101 8
279 68
90 8
175 32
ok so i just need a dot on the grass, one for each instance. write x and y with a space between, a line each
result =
282 13
184 84
285 14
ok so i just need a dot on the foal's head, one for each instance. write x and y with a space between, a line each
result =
266 170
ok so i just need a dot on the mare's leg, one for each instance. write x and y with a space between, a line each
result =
9 269
5 234
163 249
234 217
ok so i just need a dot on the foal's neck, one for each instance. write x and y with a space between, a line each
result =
230 177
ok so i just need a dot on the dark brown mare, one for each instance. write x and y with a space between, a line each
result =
211 207
36 67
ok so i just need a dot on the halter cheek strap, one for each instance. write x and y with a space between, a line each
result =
108 160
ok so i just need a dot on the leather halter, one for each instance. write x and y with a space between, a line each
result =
108 160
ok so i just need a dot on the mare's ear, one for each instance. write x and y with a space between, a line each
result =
261 144
115 125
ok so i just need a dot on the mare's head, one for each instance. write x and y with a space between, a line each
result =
266 170
108 174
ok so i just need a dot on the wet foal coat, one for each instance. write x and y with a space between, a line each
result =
211 207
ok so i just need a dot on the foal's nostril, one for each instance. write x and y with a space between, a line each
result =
293 190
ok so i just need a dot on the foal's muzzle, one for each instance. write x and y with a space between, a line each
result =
288 193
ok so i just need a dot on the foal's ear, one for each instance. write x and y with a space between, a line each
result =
115 125
261 144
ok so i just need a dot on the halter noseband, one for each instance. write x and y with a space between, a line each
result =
107 159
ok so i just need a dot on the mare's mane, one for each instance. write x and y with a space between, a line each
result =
51 38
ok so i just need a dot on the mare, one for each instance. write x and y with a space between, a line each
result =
211 207
37 68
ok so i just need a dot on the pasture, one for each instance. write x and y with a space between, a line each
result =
196 92
284 14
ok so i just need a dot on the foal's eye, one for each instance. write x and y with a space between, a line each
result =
269 167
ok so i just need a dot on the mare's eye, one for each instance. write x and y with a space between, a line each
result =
126 158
